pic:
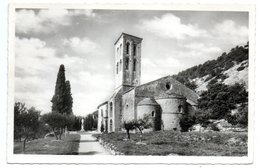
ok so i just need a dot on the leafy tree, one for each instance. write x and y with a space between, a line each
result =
186 122
57 122
26 122
143 123
68 99
140 124
220 99
202 117
19 108
59 98
128 125
241 117
76 126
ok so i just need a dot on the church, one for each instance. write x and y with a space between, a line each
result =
165 97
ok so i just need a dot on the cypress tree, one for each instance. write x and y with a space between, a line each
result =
58 100
68 99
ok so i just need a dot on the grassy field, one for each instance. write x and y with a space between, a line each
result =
180 143
67 146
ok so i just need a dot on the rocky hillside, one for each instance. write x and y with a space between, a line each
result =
229 68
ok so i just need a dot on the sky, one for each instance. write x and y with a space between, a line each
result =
83 40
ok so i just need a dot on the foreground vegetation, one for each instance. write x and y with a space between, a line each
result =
67 146
180 143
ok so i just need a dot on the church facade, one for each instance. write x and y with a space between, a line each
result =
164 98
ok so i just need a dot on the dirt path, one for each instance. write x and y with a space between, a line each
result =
90 146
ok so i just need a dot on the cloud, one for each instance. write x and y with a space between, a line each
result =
170 26
37 66
201 47
81 45
231 31
46 20
30 53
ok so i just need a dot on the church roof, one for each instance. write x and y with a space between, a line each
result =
102 104
127 35
148 101
176 89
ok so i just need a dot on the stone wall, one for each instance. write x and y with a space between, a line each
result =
102 116
172 109
128 106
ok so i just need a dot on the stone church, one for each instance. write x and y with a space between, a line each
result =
165 97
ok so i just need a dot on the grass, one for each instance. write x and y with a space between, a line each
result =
180 143
67 146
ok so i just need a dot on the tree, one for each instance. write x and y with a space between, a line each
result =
140 124
19 108
129 125
186 122
27 121
220 99
57 122
59 98
68 99
143 123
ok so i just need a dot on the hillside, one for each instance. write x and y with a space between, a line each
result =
229 68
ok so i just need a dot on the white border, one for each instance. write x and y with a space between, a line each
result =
12 158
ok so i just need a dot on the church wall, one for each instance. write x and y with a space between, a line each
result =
102 116
171 112
128 106
146 110
117 112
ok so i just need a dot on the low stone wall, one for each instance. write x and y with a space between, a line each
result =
109 147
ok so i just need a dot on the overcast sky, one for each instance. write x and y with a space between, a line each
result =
83 40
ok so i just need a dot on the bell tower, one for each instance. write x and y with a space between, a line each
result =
127 61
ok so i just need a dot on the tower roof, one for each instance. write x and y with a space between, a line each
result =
148 101
125 34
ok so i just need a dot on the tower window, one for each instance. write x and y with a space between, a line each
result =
111 108
120 65
135 49
134 66
117 68
120 49
127 48
152 113
126 63
117 51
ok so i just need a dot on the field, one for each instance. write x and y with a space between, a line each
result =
179 143
67 146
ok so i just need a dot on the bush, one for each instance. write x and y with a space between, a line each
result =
186 122
57 122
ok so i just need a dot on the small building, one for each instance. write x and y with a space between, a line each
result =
166 99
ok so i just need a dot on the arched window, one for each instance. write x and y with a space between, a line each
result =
120 49
134 65
101 113
127 63
135 49
117 51
127 48
120 65
180 109
152 113
117 68
111 125
111 108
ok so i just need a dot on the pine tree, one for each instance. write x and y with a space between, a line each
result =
68 99
58 100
